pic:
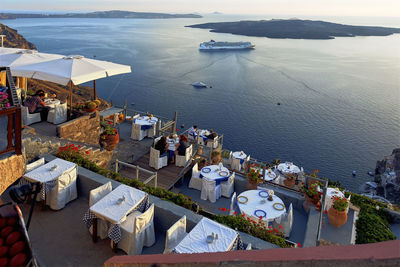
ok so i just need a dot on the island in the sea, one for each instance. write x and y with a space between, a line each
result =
113 14
295 29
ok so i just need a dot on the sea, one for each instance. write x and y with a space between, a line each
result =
339 99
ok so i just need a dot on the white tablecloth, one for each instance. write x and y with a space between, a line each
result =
288 167
330 193
51 103
239 155
195 241
145 120
203 136
271 176
44 174
48 178
108 209
214 173
254 203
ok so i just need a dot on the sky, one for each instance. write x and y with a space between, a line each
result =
382 8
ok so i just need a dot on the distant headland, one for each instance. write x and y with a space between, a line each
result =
113 14
295 29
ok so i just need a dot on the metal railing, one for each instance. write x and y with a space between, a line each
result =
138 169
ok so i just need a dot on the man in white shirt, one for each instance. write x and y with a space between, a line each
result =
192 133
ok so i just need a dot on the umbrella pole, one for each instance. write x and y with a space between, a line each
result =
94 90
70 98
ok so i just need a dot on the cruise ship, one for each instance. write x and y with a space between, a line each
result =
213 45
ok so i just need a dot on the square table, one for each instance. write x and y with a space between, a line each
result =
108 208
195 241
48 177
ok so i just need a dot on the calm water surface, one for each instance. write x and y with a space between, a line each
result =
340 99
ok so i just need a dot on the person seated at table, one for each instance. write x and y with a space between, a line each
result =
183 144
171 140
215 157
212 135
162 146
192 132
35 104
202 163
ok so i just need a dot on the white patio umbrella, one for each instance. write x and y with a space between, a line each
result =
70 70
8 50
23 57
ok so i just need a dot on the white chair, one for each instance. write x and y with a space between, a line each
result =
236 165
137 231
213 143
36 164
137 132
64 191
227 187
152 131
234 206
210 190
58 114
94 196
195 182
286 222
156 161
28 118
228 160
248 246
180 161
175 234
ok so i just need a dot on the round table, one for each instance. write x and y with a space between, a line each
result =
270 175
51 103
214 173
330 193
288 167
145 120
239 155
255 202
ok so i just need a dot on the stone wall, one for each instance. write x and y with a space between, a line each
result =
11 168
34 148
85 129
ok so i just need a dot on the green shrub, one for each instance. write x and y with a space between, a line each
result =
71 153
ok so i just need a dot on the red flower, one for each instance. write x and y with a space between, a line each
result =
299 245
260 217
276 230
235 213
326 212
24 126
79 146
109 123
87 152
115 130
223 209
280 226
177 130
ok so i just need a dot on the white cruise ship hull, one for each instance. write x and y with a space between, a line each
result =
225 46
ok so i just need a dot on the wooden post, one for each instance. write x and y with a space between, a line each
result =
155 180
137 172
125 112
116 166
175 121
10 131
70 98
94 90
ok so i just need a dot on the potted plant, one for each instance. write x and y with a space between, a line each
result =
253 177
290 180
312 194
109 138
337 214
216 157
91 106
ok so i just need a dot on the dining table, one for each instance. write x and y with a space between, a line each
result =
203 136
218 173
199 240
255 205
51 103
114 208
288 167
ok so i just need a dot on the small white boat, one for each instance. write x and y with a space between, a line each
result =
199 85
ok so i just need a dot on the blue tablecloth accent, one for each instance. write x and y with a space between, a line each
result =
219 180
241 161
145 127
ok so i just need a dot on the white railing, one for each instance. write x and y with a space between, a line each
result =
138 169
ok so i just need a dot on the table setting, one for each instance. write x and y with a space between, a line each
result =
219 173
270 175
51 102
115 206
209 236
240 155
203 136
146 122
261 204
288 167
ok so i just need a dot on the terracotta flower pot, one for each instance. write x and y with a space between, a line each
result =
251 185
90 110
289 182
337 218
109 142
310 202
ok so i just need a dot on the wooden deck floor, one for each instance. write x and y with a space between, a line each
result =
166 176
